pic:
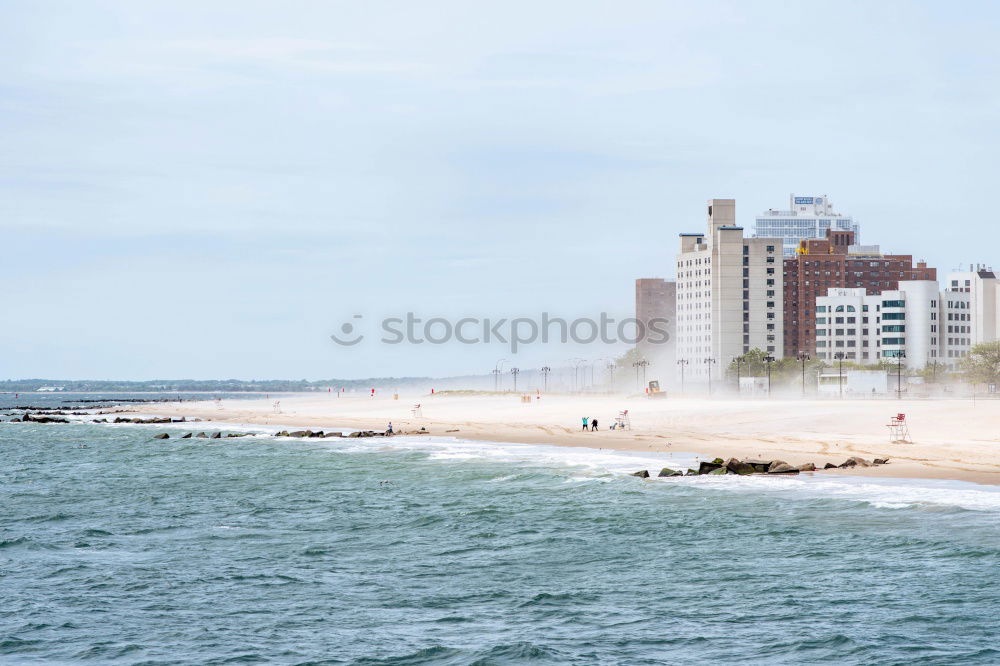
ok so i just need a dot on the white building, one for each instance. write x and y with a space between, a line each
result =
916 321
728 295
983 288
807 217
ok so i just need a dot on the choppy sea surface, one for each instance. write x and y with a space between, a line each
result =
117 548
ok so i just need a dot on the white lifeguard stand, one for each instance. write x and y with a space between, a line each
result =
277 406
417 412
218 403
623 422
899 431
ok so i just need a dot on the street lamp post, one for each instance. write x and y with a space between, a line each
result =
709 362
641 363
682 363
497 370
611 376
515 372
900 355
840 373
803 358
739 360
545 377
769 360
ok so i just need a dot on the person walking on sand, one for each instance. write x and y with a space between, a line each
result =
593 425
585 419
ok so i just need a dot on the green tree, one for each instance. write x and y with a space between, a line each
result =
982 365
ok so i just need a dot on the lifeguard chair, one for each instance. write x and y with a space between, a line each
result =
623 422
899 432
417 412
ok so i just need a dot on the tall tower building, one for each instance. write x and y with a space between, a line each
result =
806 217
983 287
728 294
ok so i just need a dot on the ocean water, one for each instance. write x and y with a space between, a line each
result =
116 548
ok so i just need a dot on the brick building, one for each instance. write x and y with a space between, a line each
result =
835 261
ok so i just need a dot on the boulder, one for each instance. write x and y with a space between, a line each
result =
333 434
775 463
666 471
355 434
783 468
719 461
316 434
719 471
643 474
708 467
187 436
297 433
281 433
829 466
759 466
216 435
738 467
201 435
855 461
162 435
880 461
808 467
691 472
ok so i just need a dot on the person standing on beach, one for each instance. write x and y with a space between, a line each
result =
593 425
585 419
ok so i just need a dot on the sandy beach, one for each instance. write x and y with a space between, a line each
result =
951 439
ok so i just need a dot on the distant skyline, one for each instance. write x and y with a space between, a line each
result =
192 191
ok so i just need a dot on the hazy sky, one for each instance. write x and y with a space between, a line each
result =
192 189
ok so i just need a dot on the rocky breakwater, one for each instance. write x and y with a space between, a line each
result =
735 467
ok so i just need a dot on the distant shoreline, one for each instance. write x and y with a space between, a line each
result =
795 431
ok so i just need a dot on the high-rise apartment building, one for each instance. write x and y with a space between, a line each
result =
806 217
836 262
729 292
983 287
916 321
656 299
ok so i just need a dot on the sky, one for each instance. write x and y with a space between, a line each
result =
209 190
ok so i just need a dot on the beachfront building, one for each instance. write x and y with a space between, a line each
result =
916 321
728 295
836 261
656 299
983 287
806 217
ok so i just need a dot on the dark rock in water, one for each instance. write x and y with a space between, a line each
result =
281 433
187 436
783 468
319 433
216 435
202 435
709 467
775 463
15 420
644 474
737 467
808 467
297 433
719 471
162 435
759 466
666 471
719 461
333 434
880 461
829 466
691 472
28 418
